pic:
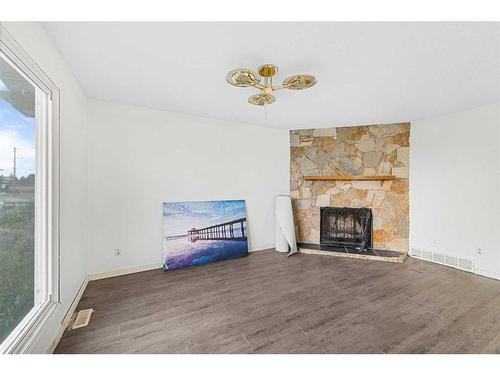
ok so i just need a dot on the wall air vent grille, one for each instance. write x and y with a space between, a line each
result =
465 264
427 255
438 258
450 261
432 256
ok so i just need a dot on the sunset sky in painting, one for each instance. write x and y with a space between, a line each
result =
179 217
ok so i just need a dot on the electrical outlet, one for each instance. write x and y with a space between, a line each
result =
479 251
117 252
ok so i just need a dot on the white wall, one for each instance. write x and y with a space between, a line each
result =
455 186
32 37
139 158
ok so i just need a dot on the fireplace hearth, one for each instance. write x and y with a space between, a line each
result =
346 228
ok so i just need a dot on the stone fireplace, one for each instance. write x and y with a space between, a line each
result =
373 150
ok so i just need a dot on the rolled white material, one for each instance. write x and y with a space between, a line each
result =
285 227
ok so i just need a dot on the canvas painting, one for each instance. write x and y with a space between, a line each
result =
201 232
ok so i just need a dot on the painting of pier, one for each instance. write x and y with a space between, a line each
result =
201 232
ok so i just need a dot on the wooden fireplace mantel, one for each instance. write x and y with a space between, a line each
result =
349 178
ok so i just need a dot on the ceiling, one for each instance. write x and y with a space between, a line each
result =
367 72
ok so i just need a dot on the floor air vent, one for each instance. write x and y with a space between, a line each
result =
446 260
82 318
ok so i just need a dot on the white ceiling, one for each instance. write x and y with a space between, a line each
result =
367 72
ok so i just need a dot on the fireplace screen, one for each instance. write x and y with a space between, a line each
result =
346 227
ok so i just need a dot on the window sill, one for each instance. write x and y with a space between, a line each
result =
23 335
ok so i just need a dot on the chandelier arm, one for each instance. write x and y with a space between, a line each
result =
280 87
258 86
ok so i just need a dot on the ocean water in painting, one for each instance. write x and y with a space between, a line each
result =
201 232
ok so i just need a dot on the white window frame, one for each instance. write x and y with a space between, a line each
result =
47 193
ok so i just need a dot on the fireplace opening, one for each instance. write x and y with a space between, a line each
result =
345 227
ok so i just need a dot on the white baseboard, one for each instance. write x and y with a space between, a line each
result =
67 317
126 271
267 247
487 273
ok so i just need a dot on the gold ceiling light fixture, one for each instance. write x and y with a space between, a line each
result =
263 81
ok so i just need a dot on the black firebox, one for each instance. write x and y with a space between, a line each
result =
346 227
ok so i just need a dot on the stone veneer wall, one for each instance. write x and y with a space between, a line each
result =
359 150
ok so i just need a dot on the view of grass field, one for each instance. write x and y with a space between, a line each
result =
16 260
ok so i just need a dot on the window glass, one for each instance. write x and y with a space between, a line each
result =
17 197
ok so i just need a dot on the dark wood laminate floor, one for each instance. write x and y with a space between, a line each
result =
268 303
